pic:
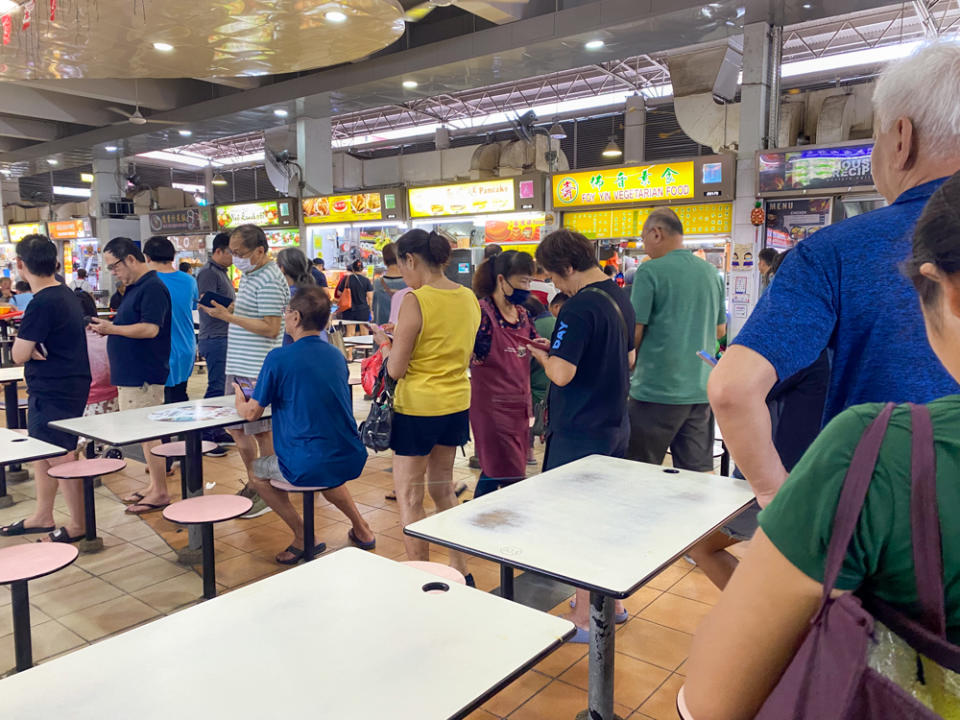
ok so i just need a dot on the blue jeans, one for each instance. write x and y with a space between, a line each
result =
214 351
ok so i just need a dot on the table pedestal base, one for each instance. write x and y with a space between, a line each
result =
23 646
18 475
585 715
90 546
6 500
602 649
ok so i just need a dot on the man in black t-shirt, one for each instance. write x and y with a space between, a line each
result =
588 363
52 347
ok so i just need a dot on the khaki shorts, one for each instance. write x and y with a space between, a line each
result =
132 398
268 468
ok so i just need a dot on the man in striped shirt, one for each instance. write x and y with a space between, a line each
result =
255 328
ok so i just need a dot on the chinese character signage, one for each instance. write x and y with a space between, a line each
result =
261 213
186 220
19 231
614 186
828 168
713 219
69 229
343 208
491 196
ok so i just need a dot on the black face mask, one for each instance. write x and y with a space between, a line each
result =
519 296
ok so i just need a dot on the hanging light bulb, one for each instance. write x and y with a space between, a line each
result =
218 179
612 150
557 132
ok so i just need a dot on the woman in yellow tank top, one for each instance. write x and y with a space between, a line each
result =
429 357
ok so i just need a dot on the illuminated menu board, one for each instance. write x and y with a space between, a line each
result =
618 186
711 219
342 208
827 168
264 214
490 196
19 231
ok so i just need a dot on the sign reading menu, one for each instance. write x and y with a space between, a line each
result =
342 208
828 168
69 229
261 213
712 219
19 231
186 220
615 186
489 196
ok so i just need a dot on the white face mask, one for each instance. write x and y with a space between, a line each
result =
242 264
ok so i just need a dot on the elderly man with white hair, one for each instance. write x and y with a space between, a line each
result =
842 290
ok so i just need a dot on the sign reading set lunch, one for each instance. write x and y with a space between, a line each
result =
616 186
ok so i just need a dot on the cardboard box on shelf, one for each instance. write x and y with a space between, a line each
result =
32 214
143 202
64 211
44 213
188 199
13 214
169 198
81 209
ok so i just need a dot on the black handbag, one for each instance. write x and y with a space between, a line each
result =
375 430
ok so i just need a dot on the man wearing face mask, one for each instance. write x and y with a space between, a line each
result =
679 304
500 404
255 328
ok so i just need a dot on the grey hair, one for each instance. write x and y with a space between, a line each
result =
666 219
924 87
294 264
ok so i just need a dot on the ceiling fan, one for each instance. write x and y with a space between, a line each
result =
138 118
417 11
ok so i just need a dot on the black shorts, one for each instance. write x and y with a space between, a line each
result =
360 313
413 435
42 410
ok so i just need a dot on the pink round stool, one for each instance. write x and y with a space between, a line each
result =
443 571
205 510
88 471
682 708
310 547
178 450
18 565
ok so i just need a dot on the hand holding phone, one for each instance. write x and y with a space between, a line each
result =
707 358
210 297
246 386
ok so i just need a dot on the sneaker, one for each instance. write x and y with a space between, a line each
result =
247 492
217 452
221 438
259 508
474 462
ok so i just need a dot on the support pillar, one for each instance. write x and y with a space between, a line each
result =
315 156
759 122
109 174
208 185
634 129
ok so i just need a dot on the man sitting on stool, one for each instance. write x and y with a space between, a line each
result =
315 435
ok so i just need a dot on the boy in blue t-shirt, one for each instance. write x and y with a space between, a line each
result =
314 432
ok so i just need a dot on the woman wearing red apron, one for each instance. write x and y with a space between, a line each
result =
500 407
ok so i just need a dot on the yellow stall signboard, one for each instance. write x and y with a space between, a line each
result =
19 231
646 183
342 208
712 219
490 196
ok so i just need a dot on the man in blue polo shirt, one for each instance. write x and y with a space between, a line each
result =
138 346
316 439
842 289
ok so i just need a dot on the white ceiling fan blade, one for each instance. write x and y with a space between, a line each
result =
165 122
118 111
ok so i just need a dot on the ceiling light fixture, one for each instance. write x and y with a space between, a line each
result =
185 133
410 84
163 47
557 132
110 148
8 6
612 150
335 16
280 112
594 44
807 6
86 177
219 179
51 161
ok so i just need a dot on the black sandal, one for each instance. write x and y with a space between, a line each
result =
62 536
298 553
18 528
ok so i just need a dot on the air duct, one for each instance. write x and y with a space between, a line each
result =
833 125
704 86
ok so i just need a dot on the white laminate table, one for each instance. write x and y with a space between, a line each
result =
350 635
359 340
128 427
10 377
601 524
17 448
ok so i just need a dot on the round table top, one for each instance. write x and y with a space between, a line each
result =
93 467
207 508
179 448
28 561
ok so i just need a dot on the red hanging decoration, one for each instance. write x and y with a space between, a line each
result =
7 28
756 215
53 10
28 14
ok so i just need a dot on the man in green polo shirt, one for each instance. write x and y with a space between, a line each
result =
679 302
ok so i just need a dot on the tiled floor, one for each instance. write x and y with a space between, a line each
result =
137 579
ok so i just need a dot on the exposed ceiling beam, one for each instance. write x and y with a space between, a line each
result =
240 83
153 94
11 144
33 103
28 129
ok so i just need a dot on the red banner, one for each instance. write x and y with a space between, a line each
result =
7 28
28 14
53 10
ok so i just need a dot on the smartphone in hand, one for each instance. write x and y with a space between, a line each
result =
209 297
246 386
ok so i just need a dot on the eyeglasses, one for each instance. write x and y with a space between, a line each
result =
111 266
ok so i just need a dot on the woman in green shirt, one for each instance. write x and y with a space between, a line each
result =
746 642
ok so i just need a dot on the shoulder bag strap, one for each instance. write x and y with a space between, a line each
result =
854 492
616 306
925 523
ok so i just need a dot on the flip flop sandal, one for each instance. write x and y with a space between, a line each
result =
580 636
298 553
362 545
150 507
134 499
460 489
619 618
18 528
62 536
392 495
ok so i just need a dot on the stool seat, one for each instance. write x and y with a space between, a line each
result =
207 509
179 449
290 487
682 708
28 561
444 571
87 468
